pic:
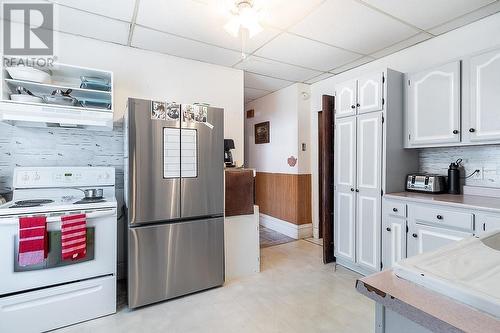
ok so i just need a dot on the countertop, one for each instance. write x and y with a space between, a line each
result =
468 201
431 310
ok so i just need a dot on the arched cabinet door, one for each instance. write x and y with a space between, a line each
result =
370 93
345 99
434 106
485 97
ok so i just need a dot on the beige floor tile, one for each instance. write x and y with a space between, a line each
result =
295 292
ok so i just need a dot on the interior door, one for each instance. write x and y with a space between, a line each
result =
345 183
369 188
370 93
434 106
345 99
393 240
153 165
485 97
423 238
202 171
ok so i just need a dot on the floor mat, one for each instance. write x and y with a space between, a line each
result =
269 237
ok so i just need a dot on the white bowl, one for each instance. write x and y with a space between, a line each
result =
26 98
27 73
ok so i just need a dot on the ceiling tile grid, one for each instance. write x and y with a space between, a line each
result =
302 41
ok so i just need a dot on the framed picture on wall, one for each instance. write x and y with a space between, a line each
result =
262 133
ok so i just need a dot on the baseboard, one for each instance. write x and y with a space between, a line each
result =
286 228
316 232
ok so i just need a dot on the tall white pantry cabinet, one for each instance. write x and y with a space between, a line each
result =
369 161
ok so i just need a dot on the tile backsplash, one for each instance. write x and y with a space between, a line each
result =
25 146
484 158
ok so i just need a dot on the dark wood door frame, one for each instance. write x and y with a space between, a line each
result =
325 170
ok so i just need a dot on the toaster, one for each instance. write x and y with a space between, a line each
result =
429 183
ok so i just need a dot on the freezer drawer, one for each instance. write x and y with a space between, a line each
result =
171 260
51 308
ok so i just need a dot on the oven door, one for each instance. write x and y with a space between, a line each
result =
100 259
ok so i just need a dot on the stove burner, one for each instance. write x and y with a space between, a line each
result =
89 200
31 203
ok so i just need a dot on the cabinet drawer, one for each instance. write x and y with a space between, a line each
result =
438 216
394 208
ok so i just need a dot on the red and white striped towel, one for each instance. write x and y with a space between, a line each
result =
74 237
33 241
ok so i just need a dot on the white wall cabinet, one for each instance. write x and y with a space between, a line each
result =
370 93
455 104
364 141
484 114
345 180
368 191
433 106
345 99
359 96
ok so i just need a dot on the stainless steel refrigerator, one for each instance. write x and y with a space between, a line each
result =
174 198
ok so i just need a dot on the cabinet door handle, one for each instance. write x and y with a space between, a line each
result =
484 226
357 190
472 130
352 190
358 105
395 210
388 229
455 131
353 106
439 217
415 235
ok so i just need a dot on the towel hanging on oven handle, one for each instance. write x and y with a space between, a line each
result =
57 218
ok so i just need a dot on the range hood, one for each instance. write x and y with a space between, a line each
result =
35 115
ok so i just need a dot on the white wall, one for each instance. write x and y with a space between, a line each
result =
472 38
149 75
288 114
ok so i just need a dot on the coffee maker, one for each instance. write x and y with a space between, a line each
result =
228 157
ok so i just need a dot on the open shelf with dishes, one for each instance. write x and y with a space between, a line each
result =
59 95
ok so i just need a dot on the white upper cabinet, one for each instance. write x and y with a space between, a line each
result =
345 99
370 93
360 96
433 109
484 114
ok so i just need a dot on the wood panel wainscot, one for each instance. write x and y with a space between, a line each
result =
284 196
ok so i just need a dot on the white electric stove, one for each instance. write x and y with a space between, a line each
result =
58 293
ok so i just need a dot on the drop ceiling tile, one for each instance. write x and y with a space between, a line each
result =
304 52
353 26
353 64
81 23
426 14
284 13
467 18
276 69
252 94
402 45
319 78
264 82
161 42
119 9
199 20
